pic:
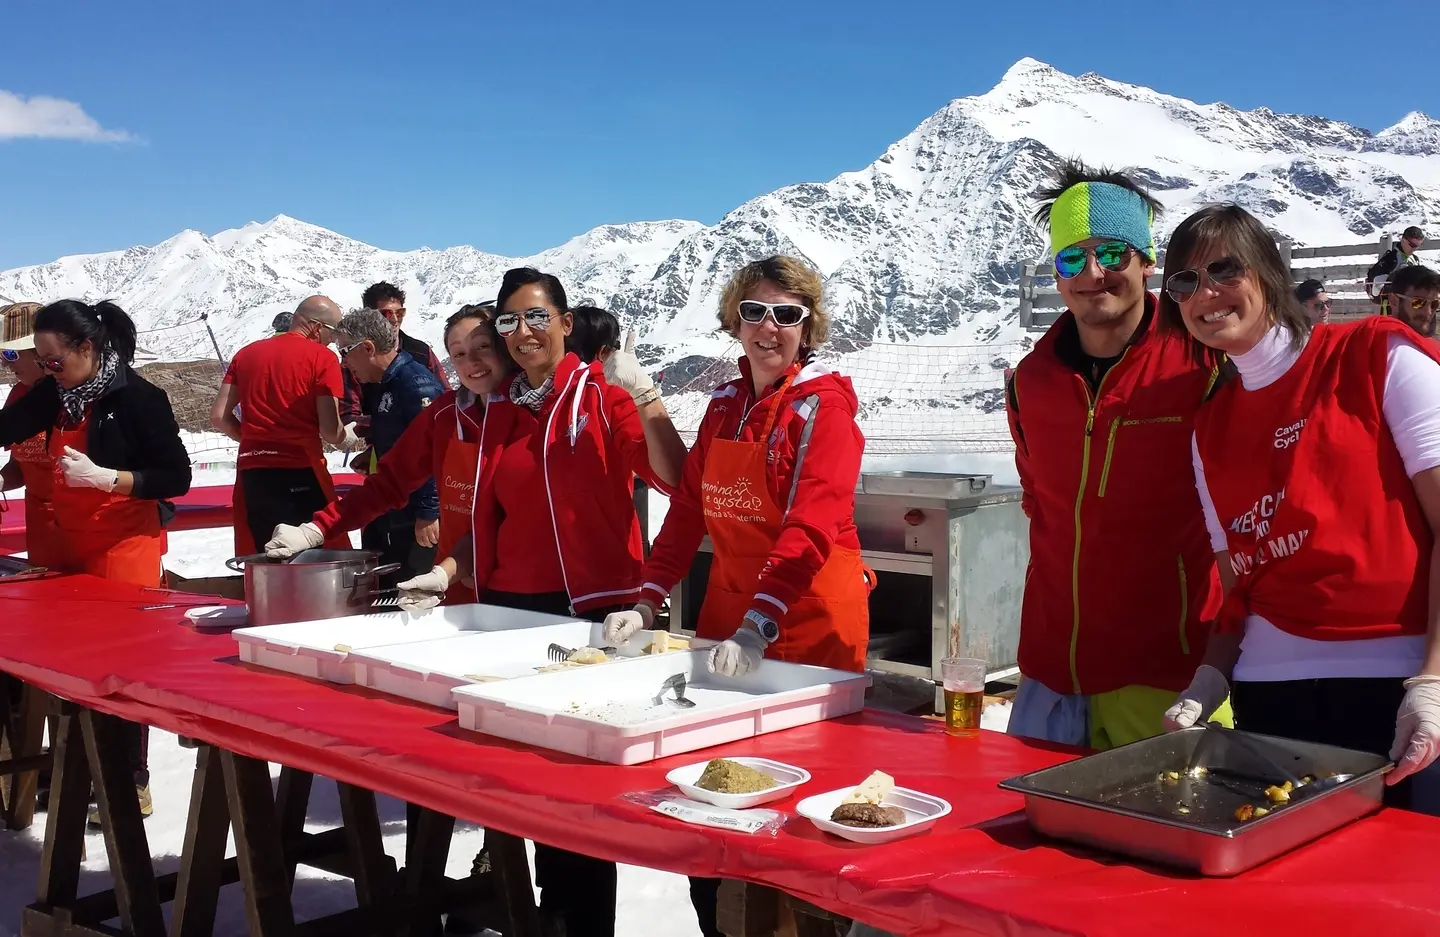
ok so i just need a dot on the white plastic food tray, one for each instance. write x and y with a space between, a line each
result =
922 811
788 778
308 648
426 671
607 713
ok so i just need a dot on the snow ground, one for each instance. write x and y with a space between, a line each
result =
651 903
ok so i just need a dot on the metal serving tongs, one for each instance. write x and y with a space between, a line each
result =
1300 788
674 682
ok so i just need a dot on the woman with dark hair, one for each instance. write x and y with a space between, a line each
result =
442 443
595 335
1318 463
116 450
554 524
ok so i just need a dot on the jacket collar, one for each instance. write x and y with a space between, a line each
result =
1066 343
747 380
401 359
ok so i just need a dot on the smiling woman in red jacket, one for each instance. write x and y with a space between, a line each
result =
442 443
1319 460
771 480
554 525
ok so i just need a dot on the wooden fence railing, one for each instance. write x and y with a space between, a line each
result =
1040 304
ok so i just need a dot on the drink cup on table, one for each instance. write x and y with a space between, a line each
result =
963 679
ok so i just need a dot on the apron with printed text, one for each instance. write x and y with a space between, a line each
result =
829 625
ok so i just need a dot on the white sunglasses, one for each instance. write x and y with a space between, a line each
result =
786 315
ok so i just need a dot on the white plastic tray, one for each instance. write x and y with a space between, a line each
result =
308 648
789 776
426 671
606 713
922 811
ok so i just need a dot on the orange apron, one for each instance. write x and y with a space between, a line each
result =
105 534
828 626
456 483
244 545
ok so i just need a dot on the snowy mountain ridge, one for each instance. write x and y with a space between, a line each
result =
925 242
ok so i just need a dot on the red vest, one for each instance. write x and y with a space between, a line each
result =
1326 536
1122 584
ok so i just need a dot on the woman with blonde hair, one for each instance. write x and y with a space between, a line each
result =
771 480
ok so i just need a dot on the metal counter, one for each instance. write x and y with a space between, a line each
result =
950 553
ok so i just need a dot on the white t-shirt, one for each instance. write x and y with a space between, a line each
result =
1411 406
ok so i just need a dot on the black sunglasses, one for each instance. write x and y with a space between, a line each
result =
1227 271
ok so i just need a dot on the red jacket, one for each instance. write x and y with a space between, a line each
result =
1327 538
416 457
595 446
823 513
1122 584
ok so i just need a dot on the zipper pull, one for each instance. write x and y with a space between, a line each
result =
1090 421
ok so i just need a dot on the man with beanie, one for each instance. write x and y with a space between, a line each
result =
1122 584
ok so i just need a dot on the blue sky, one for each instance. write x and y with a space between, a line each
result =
514 127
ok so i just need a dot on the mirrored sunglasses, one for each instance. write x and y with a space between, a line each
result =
1114 256
1225 272
537 320
1417 303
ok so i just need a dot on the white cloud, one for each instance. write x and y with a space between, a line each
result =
52 118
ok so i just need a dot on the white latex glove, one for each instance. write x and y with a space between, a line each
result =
351 440
80 472
739 655
1417 728
623 369
620 627
285 541
424 591
1207 690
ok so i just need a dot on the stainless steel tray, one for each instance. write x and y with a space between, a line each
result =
14 566
1122 800
943 485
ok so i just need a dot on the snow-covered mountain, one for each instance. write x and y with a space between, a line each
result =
924 243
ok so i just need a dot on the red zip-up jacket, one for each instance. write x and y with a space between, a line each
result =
594 448
1327 538
822 514
1122 583
417 456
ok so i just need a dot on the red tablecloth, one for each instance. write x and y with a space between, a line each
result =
198 509
978 873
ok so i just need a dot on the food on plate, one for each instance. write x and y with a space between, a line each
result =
867 816
1279 793
872 790
588 655
724 776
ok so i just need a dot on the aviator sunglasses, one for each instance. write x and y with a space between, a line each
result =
537 320
1418 303
786 315
1221 273
1110 255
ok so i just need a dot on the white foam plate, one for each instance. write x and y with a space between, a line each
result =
921 812
789 776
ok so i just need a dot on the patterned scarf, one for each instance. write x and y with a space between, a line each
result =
75 400
523 395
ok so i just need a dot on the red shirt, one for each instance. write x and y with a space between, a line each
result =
278 380
526 558
1327 538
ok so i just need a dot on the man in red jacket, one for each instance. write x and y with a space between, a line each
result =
1122 583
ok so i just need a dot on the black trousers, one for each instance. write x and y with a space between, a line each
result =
275 496
1349 712
392 535
579 889
705 897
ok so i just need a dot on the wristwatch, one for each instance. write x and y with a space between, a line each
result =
767 627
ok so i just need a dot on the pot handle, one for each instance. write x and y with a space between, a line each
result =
378 571
237 563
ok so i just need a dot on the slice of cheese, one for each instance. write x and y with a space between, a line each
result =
588 655
872 791
659 643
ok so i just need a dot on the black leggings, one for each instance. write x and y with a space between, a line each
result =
577 888
275 496
1356 713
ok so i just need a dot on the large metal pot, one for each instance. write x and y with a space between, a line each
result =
313 585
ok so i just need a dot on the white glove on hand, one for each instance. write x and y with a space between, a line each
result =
424 591
285 541
620 627
739 655
351 440
1417 728
1207 690
80 472
623 369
